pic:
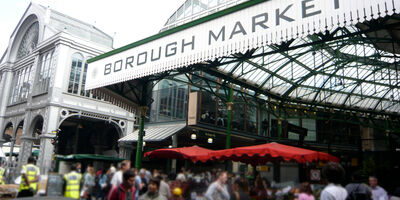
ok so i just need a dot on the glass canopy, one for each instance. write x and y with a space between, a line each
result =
353 67
194 9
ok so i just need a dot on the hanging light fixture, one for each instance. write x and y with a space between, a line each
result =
210 140
193 136
144 143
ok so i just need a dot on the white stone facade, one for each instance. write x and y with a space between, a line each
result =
35 81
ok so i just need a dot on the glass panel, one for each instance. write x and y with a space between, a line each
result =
310 125
75 76
238 118
170 102
251 117
208 108
291 135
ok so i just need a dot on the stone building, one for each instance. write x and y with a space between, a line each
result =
42 80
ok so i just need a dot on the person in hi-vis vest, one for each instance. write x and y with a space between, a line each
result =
72 183
29 179
2 173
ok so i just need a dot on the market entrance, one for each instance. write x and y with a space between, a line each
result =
88 136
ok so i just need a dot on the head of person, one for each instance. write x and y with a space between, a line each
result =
128 178
73 167
241 184
90 170
154 184
31 160
142 173
306 188
222 177
333 173
78 166
125 165
357 177
177 192
373 181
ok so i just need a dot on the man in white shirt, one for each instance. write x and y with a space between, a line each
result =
117 178
334 174
378 193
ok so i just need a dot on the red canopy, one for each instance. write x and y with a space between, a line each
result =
193 153
260 154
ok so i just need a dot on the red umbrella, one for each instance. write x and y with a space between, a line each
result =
260 154
193 153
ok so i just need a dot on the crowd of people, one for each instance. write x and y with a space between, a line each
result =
128 183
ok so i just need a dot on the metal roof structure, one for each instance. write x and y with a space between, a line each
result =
350 68
155 132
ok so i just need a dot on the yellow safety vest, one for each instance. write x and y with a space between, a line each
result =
73 180
2 170
31 172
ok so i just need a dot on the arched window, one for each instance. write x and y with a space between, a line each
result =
43 77
77 77
29 41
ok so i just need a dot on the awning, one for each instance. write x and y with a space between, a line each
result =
155 132
260 154
194 153
75 157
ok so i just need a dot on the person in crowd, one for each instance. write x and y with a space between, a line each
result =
88 183
218 189
306 192
177 194
103 184
240 189
79 167
153 191
143 182
72 183
356 189
164 187
182 175
2 173
334 175
29 179
126 190
260 188
117 177
378 193
138 183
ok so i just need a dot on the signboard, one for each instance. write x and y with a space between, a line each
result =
246 26
193 109
55 184
315 175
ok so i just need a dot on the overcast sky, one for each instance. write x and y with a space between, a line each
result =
127 20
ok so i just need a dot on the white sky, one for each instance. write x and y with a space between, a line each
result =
129 20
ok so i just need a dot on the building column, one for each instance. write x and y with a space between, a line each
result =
174 145
49 130
25 151
279 129
47 153
229 105
139 149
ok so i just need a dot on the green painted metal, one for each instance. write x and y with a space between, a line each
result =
229 123
139 146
